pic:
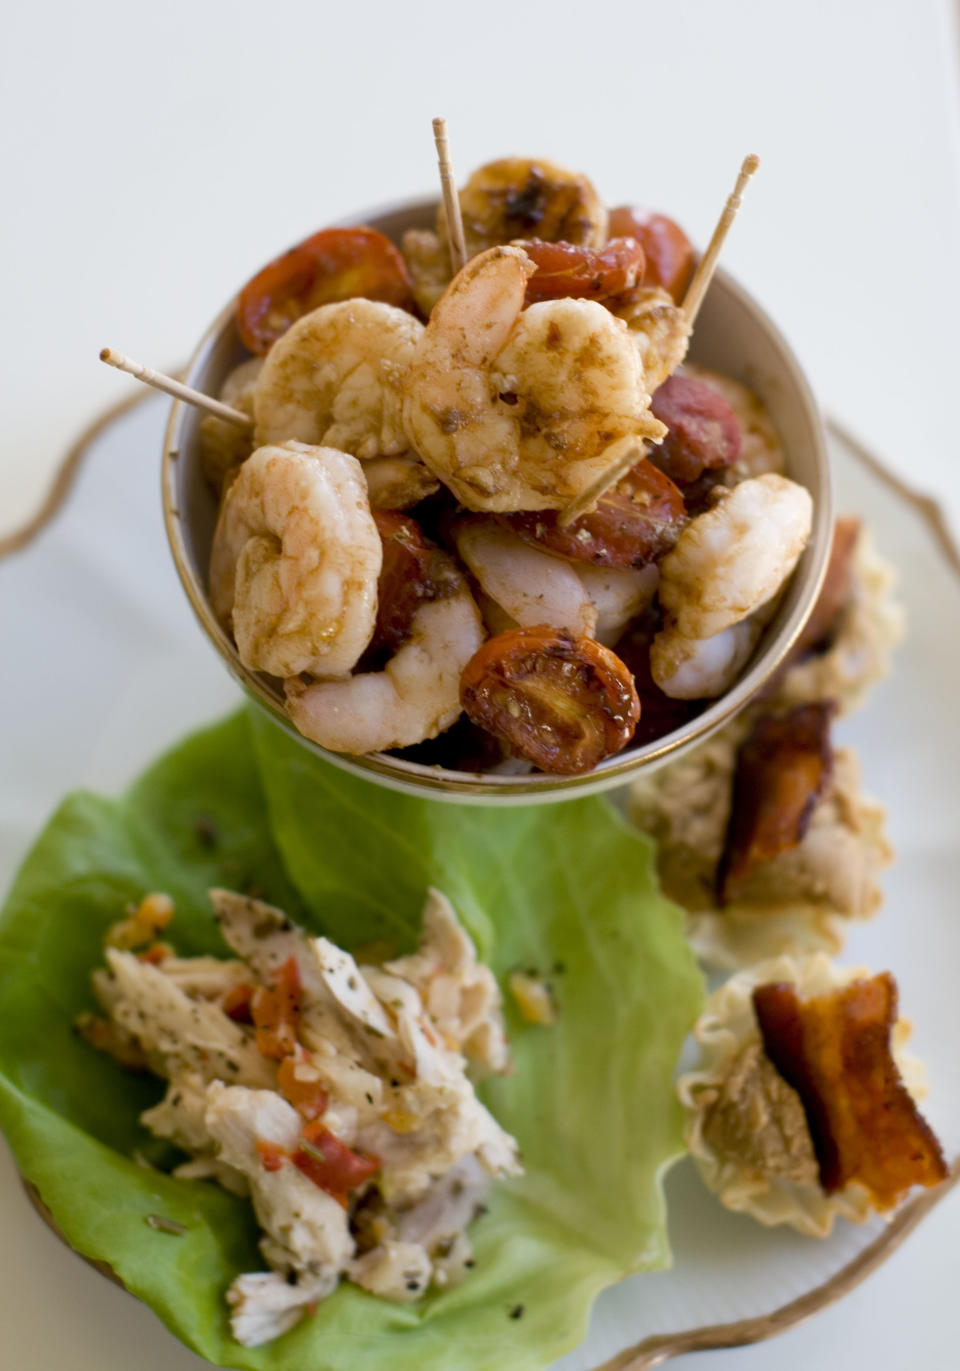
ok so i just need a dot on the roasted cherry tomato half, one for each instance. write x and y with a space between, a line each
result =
668 249
704 434
334 264
562 702
413 571
564 270
404 580
633 524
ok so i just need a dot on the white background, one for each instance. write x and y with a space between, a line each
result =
154 156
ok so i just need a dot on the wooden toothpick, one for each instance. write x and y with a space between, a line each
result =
176 388
451 200
708 262
632 452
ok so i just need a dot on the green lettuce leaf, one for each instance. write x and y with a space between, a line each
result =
567 891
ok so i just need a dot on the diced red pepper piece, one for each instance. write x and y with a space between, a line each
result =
330 1164
308 1097
271 1155
276 1013
155 954
236 1003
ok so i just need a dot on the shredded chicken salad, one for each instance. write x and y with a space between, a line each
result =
337 1095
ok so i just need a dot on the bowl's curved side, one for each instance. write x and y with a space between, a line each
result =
733 335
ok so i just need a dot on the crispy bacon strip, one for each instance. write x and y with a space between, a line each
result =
835 1052
783 768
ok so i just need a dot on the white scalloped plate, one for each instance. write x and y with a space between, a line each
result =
112 668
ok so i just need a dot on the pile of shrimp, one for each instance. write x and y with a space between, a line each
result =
395 541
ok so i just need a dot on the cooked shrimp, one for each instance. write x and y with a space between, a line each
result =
522 409
618 594
659 330
523 197
415 697
718 584
334 378
223 446
733 558
531 586
702 668
495 618
398 482
613 596
295 561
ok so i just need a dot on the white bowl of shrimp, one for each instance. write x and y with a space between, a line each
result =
402 557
